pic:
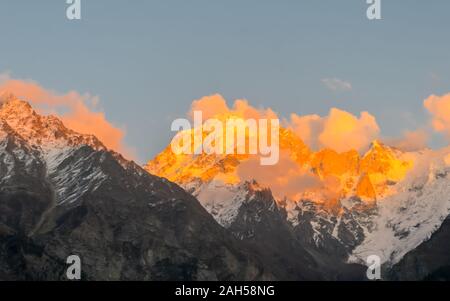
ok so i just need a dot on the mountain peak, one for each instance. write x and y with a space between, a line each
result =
377 145
40 130
11 104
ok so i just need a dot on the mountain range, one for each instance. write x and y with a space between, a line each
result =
202 217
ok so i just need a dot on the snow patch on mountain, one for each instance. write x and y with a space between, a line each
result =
222 200
46 139
413 214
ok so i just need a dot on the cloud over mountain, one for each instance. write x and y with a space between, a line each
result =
339 130
439 108
78 112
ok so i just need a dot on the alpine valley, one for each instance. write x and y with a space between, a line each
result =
206 217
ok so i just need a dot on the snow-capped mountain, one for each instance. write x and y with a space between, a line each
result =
409 217
63 193
52 143
385 202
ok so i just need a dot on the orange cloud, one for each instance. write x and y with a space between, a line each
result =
210 106
285 179
308 128
411 141
215 105
76 111
439 108
340 130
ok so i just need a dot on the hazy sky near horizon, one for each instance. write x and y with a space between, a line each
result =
147 60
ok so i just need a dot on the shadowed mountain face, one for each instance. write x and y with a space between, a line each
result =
429 261
262 224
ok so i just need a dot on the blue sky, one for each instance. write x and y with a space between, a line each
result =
147 60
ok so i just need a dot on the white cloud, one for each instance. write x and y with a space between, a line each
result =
337 85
